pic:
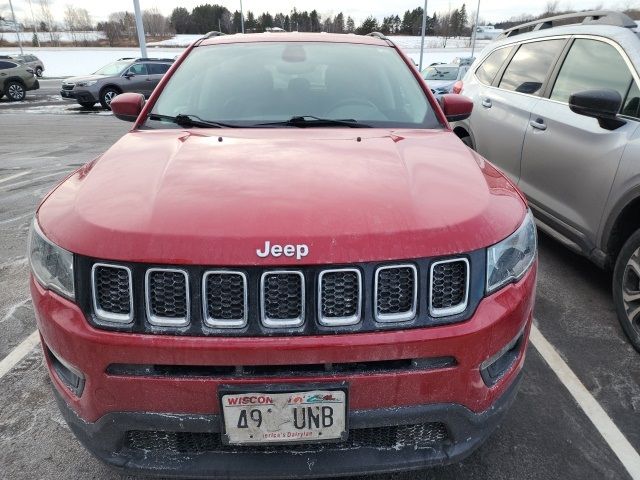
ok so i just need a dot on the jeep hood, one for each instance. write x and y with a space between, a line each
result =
213 197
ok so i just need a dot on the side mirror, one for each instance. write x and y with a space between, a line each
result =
129 75
127 106
455 107
602 105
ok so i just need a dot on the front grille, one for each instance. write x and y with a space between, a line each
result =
340 293
112 295
68 86
416 436
225 295
167 297
261 301
396 293
449 287
282 298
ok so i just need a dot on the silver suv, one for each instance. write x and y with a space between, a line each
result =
557 107
138 75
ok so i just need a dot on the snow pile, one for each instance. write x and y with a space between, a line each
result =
66 37
69 62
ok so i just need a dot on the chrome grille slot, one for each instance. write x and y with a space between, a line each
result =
340 294
112 293
449 287
282 301
396 292
167 295
224 295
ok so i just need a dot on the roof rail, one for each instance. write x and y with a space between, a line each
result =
379 35
151 59
212 34
591 17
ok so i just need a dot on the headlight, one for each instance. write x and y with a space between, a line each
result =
87 84
508 260
51 265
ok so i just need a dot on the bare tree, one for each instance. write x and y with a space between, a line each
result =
46 17
552 7
77 22
155 24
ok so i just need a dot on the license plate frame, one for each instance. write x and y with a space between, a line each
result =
283 389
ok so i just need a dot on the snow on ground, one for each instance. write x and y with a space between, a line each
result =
47 37
177 41
68 62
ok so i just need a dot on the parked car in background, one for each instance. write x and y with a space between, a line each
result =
441 78
31 61
558 110
16 79
283 271
137 75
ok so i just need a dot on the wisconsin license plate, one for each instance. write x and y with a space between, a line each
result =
307 416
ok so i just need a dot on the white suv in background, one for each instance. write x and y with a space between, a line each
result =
557 108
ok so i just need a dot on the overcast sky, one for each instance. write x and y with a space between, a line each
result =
490 10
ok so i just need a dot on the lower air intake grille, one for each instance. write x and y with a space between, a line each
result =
449 286
112 292
422 435
396 293
282 299
167 299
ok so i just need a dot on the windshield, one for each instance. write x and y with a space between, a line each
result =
249 84
113 68
440 73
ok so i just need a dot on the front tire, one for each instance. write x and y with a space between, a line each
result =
626 288
39 72
106 95
87 104
15 91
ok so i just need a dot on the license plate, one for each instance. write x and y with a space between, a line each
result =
65 94
306 416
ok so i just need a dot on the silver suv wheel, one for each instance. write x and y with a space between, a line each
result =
15 91
626 288
631 289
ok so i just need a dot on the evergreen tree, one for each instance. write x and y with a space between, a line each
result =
351 25
338 23
369 25
180 20
314 21
464 19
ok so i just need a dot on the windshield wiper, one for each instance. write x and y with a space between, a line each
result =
190 121
305 121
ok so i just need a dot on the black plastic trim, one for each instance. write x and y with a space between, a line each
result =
467 431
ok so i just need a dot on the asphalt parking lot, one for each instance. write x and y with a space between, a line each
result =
546 434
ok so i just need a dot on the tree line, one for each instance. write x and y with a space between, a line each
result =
207 17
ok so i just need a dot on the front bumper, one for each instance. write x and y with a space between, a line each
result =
467 431
112 404
84 96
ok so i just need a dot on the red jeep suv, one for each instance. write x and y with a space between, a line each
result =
289 267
